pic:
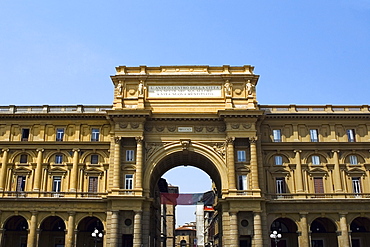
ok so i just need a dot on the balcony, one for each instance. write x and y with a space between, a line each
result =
315 196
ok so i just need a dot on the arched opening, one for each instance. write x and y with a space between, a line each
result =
323 233
360 232
86 228
288 230
15 232
52 232
181 158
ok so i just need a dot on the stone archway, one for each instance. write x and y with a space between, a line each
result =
85 227
197 156
52 232
288 229
323 232
15 232
360 232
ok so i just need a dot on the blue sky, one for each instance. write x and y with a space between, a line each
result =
63 52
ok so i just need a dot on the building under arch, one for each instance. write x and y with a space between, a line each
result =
68 170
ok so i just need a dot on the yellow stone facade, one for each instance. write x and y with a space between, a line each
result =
300 170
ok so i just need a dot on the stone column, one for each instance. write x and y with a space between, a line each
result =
32 234
70 231
234 234
139 162
3 170
137 229
230 161
74 172
337 180
114 229
253 162
304 238
299 177
257 237
146 224
1 236
226 239
38 171
117 163
343 240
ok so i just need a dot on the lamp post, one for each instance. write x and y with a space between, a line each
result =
276 237
96 235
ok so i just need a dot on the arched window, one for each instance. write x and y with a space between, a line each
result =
183 243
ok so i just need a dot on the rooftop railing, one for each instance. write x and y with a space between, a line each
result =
12 109
277 109
289 196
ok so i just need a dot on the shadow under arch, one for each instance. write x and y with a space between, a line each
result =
15 232
179 157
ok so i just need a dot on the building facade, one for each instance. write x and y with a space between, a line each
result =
67 171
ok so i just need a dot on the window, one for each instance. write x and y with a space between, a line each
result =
241 157
25 134
242 182
94 159
319 185
356 185
21 183
130 155
353 160
351 135
60 134
277 135
23 159
129 181
315 160
93 184
314 136
95 135
280 185
58 159
57 183
278 160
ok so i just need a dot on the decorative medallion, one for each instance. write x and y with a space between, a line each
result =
235 125
148 127
159 128
198 128
171 128
221 128
247 125
210 128
135 125
123 125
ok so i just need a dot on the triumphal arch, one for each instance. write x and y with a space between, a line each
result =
200 116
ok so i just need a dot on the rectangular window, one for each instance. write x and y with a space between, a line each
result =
356 185
25 134
130 155
242 182
60 134
93 184
94 159
277 135
353 160
129 181
57 183
278 160
58 159
314 135
95 135
21 183
241 157
319 185
351 135
280 185
23 159
315 160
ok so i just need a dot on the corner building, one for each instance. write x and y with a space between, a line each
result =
67 171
